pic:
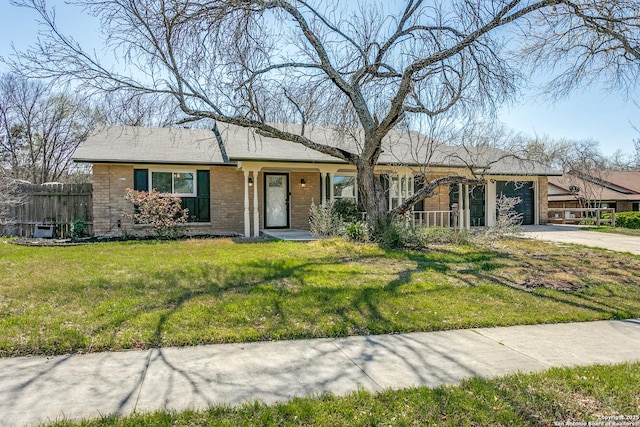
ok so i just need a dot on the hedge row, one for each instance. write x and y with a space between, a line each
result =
628 220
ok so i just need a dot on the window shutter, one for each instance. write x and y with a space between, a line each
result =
141 179
203 187
203 183
190 203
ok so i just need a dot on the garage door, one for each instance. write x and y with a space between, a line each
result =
524 190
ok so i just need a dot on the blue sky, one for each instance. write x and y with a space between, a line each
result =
589 114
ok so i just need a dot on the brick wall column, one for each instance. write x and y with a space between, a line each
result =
624 206
543 200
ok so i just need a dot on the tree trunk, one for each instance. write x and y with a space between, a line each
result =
371 195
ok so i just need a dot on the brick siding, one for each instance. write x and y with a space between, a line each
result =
109 204
227 199
109 187
301 198
543 199
624 206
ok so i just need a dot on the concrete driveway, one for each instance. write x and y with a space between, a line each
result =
575 234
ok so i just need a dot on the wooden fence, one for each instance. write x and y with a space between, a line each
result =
50 210
595 216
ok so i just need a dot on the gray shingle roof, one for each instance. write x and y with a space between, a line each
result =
244 144
190 146
399 147
130 144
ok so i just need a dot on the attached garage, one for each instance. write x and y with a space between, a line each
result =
524 190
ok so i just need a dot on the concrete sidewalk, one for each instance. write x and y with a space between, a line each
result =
39 389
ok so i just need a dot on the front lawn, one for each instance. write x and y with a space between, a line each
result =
114 296
594 395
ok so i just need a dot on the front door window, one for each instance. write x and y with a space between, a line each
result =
276 196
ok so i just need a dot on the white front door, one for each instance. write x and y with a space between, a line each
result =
276 195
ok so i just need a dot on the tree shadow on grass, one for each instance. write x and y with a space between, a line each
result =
122 310
357 308
580 285
574 299
287 297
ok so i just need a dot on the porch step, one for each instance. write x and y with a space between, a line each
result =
293 235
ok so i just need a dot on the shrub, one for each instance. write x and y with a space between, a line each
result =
347 210
444 235
391 234
78 227
357 231
403 234
400 233
11 195
324 221
162 211
628 220
338 218
508 220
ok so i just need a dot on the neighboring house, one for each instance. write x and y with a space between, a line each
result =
233 180
596 189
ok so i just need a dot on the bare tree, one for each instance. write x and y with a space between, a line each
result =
584 41
636 145
584 155
19 101
548 151
364 68
570 155
10 197
40 129
134 109
621 161
583 164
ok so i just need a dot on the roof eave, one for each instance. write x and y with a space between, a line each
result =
152 162
256 159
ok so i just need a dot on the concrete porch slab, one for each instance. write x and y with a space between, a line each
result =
292 235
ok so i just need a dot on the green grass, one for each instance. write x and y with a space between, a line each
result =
596 394
113 296
614 230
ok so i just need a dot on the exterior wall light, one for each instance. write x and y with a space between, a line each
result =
250 182
303 183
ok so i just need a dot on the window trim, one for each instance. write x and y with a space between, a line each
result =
172 171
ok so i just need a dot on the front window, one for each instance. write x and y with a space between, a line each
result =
398 189
183 183
344 187
178 183
191 186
